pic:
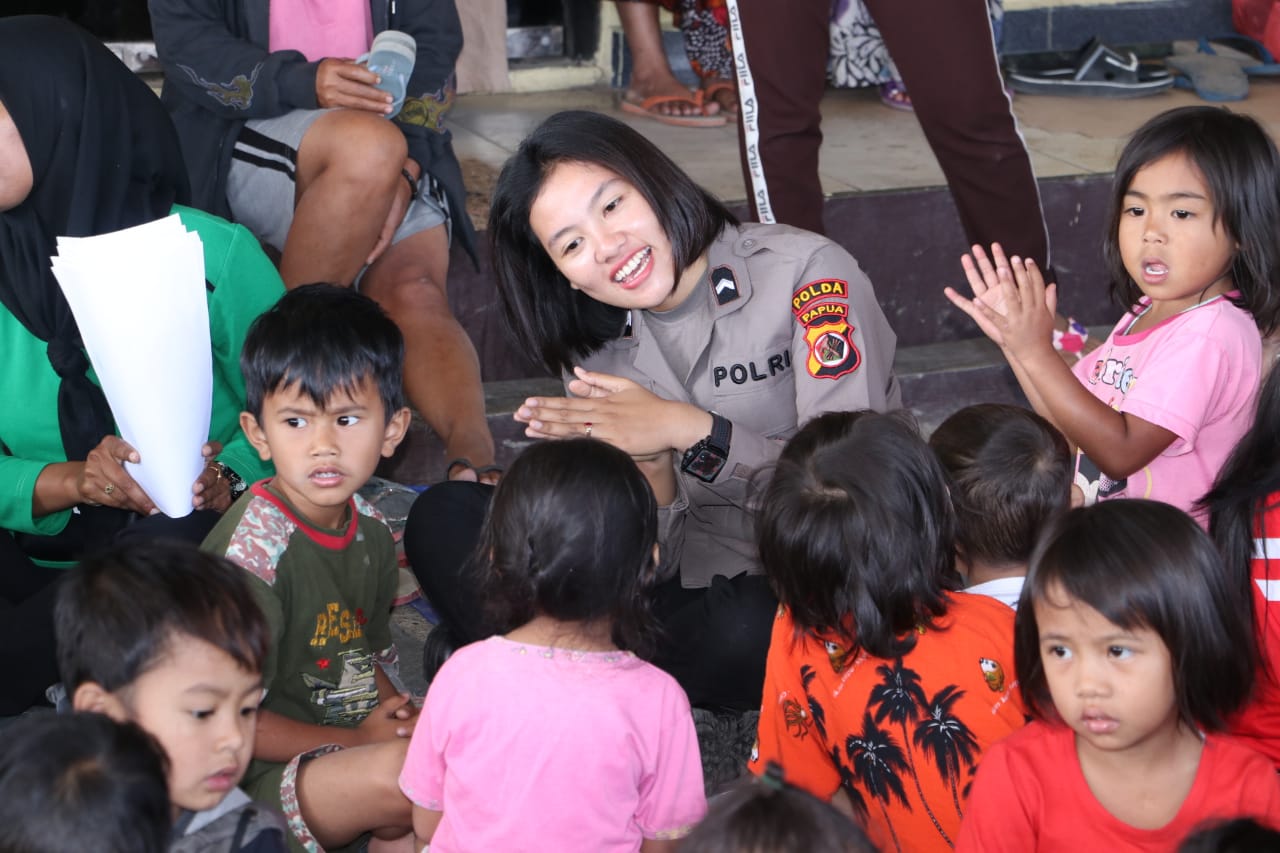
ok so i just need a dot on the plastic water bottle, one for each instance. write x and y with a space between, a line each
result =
391 57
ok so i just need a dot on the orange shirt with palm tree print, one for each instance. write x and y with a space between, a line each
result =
901 737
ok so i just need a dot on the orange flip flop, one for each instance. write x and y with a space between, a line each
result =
715 87
694 99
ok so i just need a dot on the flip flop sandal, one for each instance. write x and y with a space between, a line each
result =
1250 54
894 96
715 87
1100 72
695 99
1214 78
480 471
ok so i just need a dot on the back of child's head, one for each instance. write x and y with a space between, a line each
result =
119 609
1143 564
81 782
856 531
325 340
767 815
1241 168
570 535
1242 835
1009 471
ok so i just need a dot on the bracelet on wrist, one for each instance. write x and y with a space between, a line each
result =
413 184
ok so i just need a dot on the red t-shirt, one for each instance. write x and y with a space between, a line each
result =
1031 795
1259 723
902 737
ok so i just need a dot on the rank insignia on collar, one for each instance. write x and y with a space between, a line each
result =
725 285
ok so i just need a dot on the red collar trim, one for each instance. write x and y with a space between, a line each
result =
318 535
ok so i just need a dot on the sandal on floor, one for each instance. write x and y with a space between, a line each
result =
715 87
465 463
1250 54
1213 78
893 94
1100 72
648 108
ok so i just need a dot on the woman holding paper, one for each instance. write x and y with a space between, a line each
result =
86 149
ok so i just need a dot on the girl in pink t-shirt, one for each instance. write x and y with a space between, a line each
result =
1195 243
553 734
1132 647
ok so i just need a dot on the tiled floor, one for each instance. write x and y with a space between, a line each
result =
868 147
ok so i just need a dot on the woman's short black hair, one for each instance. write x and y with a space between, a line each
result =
325 339
1241 168
856 530
1009 471
82 782
118 612
570 535
545 314
767 815
1143 564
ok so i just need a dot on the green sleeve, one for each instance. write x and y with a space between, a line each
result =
19 479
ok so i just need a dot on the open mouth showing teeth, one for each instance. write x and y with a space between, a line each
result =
633 266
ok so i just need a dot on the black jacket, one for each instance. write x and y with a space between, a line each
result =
218 74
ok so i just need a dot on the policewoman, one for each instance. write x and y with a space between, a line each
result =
695 344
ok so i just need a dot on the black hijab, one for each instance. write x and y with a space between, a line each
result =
104 156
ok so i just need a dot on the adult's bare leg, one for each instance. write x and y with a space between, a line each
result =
650 72
441 369
348 173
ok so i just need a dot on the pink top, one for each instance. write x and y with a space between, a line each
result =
530 748
1195 374
319 29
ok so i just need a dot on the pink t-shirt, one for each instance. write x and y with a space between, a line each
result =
319 29
1195 374
529 748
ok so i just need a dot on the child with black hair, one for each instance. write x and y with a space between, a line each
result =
555 734
1244 521
159 634
1132 650
1009 474
1194 247
767 815
322 376
883 684
82 782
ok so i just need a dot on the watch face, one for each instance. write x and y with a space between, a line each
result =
705 465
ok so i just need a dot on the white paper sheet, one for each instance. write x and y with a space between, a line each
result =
138 296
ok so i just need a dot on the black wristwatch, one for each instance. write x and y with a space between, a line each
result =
707 457
235 483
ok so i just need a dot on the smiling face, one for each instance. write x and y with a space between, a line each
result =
323 454
202 707
16 178
1173 244
604 237
1114 686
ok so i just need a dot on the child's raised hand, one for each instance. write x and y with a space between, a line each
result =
1030 307
985 276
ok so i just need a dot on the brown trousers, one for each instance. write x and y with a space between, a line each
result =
946 54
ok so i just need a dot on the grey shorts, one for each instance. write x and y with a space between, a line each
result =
260 185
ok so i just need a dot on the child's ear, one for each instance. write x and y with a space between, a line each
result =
252 431
397 426
92 696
